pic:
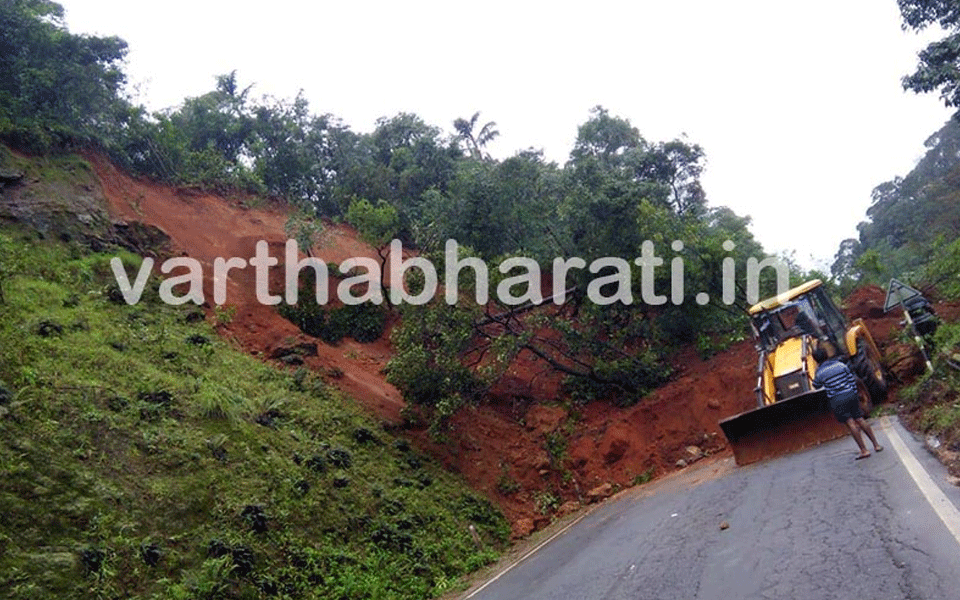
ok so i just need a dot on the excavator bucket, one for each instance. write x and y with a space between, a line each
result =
781 428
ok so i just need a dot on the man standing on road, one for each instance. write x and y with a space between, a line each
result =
841 387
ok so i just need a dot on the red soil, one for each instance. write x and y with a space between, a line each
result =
499 447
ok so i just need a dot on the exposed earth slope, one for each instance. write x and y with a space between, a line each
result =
526 448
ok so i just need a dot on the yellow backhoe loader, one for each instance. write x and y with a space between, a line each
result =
790 413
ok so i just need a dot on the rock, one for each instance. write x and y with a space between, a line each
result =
255 518
150 553
160 398
10 177
681 463
694 453
906 362
362 435
544 418
292 359
724 525
568 508
299 350
49 328
604 490
198 339
244 560
616 442
268 418
541 522
713 404
92 560
522 528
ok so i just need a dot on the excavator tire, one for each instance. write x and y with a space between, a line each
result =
872 375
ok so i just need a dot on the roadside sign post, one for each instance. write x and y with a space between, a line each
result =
898 293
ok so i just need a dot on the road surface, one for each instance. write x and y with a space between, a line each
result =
814 525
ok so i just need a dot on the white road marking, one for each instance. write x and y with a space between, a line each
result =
945 509
937 499
530 553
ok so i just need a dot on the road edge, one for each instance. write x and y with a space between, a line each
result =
941 505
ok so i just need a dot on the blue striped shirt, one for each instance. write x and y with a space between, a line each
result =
835 377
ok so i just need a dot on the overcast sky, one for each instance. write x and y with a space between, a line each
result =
798 105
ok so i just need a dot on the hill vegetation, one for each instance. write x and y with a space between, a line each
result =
144 457
411 181
911 228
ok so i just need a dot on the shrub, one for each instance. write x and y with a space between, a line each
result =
363 322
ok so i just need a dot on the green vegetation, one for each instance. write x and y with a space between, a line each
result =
913 218
912 222
142 457
939 61
412 181
428 366
644 477
56 89
933 402
362 322
911 228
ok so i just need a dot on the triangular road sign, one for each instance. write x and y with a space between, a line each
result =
898 292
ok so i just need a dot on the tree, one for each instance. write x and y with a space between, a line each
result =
908 213
399 162
295 154
939 66
475 141
56 87
843 268
680 165
429 365
604 137
500 207
377 224
219 120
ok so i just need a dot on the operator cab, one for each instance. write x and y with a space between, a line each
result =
802 311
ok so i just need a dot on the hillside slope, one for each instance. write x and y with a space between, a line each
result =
144 456
503 445
525 446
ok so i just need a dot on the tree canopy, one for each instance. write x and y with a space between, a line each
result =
939 62
410 180
56 87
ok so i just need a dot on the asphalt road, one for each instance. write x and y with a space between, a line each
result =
813 525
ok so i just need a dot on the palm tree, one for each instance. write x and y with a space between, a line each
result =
475 142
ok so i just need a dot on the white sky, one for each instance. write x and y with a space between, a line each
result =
798 105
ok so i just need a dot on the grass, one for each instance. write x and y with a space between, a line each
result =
142 457
645 477
932 403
